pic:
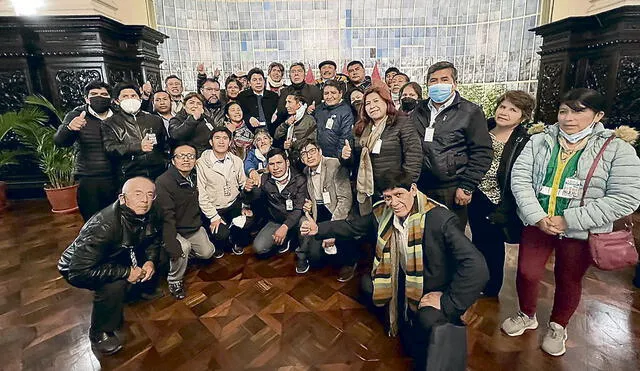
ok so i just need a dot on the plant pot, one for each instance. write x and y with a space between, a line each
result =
63 200
4 202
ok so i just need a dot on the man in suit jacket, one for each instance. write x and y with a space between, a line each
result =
330 199
258 104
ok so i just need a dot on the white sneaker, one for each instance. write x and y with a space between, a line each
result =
555 339
518 324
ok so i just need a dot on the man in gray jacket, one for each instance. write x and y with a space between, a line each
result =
330 199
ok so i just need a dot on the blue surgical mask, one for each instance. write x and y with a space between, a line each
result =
440 92
576 137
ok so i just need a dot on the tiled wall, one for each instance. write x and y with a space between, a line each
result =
488 40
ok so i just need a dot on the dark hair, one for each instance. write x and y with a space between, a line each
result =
306 141
219 129
158 92
211 80
192 95
389 181
96 84
228 106
413 85
231 79
523 100
354 63
274 65
182 144
172 77
275 152
253 71
390 70
298 64
402 74
581 98
125 85
298 97
351 91
336 84
364 119
324 63
443 66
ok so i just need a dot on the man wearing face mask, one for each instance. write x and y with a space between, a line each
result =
135 139
94 170
455 142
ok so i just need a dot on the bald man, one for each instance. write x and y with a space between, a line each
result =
116 249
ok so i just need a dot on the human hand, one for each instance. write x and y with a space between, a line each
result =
462 198
254 122
149 269
311 108
247 212
78 122
309 226
307 206
287 144
291 120
135 275
328 242
280 235
255 177
547 226
147 90
197 112
559 222
216 224
431 299
146 144
249 184
346 150
216 73
200 69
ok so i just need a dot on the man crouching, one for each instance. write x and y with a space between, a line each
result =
105 258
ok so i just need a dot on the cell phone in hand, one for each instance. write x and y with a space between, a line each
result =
151 137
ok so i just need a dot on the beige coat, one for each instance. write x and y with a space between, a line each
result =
211 184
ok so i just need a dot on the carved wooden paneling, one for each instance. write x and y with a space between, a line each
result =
549 91
70 85
626 106
13 90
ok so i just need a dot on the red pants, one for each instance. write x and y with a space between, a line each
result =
572 261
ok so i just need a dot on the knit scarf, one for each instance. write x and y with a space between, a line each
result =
364 181
275 84
386 263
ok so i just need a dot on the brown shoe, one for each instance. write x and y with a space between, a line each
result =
347 272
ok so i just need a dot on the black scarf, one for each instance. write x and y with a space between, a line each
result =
299 86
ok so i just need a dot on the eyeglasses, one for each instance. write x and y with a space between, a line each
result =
185 156
310 152
142 195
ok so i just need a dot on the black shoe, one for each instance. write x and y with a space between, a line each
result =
155 294
347 272
177 290
218 253
636 280
302 266
284 247
105 343
237 250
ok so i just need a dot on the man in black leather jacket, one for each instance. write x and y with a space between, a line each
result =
118 247
135 139
94 170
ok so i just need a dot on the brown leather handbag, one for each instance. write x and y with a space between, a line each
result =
616 249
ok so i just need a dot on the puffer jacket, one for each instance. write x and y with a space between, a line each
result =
101 252
332 140
91 159
185 128
614 190
123 134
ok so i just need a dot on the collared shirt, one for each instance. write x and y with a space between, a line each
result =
402 239
95 114
165 121
176 106
223 166
316 179
436 111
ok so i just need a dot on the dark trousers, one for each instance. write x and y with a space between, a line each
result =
312 250
230 234
447 197
94 194
489 239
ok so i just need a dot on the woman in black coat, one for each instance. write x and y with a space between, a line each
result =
492 211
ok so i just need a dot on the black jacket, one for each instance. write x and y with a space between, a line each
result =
178 202
452 264
364 85
185 128
310 92
275 201
505 214
249 102
91 158
101 252
460 153
123 134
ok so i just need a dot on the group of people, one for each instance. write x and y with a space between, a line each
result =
323 169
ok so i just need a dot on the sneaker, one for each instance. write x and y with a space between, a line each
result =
284 247
218 253
106 343
347 272
518 324
302 266
237 250
177 290
555 339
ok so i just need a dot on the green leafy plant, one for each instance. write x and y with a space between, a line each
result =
32 128
483 95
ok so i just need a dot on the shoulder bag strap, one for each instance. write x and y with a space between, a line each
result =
593 167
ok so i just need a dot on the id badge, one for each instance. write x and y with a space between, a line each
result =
572 188
326 198
209 125
227 190
376 147
289 204
152 138
329 124
428 134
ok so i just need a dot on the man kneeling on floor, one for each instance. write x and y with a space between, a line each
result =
423 263
182 230
105 258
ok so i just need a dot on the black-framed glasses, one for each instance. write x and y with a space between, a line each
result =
309 152
185 156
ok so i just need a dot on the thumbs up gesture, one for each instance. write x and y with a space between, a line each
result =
309 226
79 122
147 90
346 150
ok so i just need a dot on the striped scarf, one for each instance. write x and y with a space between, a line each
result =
386 263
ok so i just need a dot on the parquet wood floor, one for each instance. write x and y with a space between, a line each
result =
242 313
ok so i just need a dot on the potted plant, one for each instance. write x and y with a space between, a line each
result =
31 125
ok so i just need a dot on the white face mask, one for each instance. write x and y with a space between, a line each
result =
576 137
130 105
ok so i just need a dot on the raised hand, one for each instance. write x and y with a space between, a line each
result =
200 69
147 90
78 122
346 150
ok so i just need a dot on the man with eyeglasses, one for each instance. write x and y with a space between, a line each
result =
116 251
182 231
329 199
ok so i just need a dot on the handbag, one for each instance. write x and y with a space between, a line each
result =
616 249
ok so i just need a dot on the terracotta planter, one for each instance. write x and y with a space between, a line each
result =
63 200
4 202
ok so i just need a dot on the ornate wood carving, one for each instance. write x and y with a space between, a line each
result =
70 84
13 90
597 75
154 79
626 105
549 91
